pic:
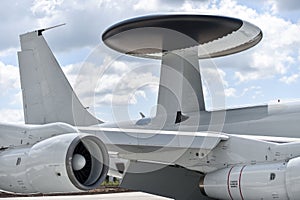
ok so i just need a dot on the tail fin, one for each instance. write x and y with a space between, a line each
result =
47 95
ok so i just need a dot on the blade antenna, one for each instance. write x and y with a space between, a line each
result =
142 115
40 31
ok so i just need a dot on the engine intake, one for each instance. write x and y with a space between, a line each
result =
64 163
87 165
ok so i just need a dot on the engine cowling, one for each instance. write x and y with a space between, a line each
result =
252 182
64 163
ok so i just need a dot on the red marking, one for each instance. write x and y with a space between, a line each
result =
228 184
240 178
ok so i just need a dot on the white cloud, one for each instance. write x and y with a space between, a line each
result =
11 116
9 78
120 99
216 88
10 95
222 7
125 88
17 99
250 76
213 75
230 92
16 18
289 79
252 89
146 5
283 5
275 54
8 52
117 82
42 8
273 57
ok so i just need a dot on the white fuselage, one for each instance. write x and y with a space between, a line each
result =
277 122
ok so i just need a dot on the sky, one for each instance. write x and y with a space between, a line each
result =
118 87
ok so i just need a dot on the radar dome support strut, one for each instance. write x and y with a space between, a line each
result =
179 41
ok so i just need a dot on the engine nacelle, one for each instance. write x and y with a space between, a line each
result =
64 163
252 182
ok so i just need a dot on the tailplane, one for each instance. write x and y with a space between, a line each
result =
47 95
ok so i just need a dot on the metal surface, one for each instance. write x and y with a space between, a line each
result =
169 181
151 36
47 95
46 167
277 180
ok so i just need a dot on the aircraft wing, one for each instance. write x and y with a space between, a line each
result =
161 161
156 145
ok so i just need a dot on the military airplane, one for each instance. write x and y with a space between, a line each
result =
184 152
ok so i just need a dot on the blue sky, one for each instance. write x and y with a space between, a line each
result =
128 85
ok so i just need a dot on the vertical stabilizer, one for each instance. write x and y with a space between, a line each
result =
47 95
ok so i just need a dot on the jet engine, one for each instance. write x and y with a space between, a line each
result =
252 182
65 163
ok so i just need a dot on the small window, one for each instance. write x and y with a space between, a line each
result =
272 176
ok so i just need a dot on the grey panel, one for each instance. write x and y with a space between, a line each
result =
199 28
180 87
47 95
168 181
153 35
